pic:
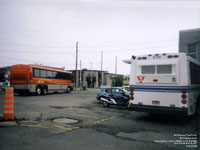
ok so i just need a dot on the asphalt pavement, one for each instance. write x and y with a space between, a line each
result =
77 121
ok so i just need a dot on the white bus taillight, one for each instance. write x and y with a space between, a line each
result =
184 101
184 96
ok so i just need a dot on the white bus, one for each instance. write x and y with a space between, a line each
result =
165 83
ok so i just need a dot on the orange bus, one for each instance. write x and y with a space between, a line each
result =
39 79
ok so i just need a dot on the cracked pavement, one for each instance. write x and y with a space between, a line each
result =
96 127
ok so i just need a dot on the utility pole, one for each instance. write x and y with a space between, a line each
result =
116 65
80 75
76 74
101 68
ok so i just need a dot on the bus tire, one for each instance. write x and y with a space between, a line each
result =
44 91
38 90
21 93
68 90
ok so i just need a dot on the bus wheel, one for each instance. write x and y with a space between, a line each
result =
44 91
21 93
38 91
68 90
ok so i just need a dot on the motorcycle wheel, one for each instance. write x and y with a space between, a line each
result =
105 104
127 105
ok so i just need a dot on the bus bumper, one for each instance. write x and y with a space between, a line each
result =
160 110
24 87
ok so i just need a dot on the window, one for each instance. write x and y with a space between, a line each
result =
191 50
194 73
164 69
49 74
36 72
54 75
43 73
67 76
108 90
117 91
159 69
59 75
148 69
40 73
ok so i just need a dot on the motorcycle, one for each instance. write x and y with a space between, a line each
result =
108 100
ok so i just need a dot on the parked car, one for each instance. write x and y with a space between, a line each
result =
116 93
127 88
104 86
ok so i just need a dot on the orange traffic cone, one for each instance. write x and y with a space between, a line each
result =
8 112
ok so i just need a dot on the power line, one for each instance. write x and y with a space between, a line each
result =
47 52
47 46
130 49
31 61
61 52
42 46
126 44
83 47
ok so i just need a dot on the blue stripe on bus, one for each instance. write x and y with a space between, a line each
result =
171 89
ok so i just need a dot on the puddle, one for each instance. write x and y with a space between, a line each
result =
65 121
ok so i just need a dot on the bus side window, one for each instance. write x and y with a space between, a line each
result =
54 75
49 74
70 76
66 76
36 72
43 73
59 75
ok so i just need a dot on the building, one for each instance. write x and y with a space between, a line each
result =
189 42
126 79
92 78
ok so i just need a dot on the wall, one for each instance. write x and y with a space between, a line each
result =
187 37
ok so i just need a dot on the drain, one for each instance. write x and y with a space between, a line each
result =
65 120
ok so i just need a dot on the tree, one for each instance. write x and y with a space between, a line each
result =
117 80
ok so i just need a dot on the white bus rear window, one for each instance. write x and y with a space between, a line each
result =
159 69
164 69
148 69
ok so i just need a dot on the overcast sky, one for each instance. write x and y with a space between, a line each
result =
46 31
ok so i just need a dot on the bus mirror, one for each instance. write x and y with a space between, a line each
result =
133 57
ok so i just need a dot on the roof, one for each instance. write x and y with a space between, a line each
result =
44 67
191 30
